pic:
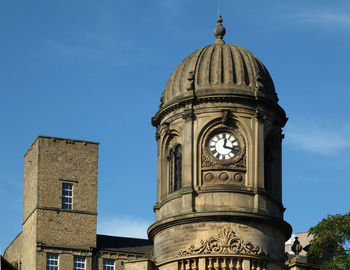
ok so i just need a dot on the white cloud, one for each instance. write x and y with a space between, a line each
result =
97 48
317 140
90 52
124 226
326 17
74 50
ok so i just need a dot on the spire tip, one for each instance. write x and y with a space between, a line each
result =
219 31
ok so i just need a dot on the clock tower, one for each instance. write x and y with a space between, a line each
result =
219 133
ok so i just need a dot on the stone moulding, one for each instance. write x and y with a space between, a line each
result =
225 242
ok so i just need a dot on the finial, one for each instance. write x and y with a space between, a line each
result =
296 247
220 20
219 31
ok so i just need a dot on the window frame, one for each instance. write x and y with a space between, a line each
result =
67 199
178 167
77 261
52 257
109 266
175 168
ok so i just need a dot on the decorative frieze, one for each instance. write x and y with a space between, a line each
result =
225 242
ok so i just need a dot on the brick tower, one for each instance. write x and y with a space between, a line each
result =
60 203
219 134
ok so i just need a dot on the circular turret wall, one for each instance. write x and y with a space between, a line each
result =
182 240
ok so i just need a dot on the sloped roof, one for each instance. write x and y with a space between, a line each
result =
123 244
5 265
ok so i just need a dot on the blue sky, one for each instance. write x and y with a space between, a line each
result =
95 70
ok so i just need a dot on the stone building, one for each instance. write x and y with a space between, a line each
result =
60 212
219 196
219 133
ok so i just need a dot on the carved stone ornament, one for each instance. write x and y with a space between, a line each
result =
190 81
259 81
174 141
225 242
157 134
209 161
226 117
161 101
165 128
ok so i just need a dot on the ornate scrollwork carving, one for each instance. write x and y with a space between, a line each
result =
241 162
225 242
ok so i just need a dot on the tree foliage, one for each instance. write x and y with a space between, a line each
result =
331 242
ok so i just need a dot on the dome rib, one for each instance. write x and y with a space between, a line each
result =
221 66
182 75
196 68
232 65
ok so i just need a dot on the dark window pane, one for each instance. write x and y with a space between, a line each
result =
178 168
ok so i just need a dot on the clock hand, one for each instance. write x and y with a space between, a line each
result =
225 146
235 149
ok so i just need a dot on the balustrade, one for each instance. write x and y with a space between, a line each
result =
221 263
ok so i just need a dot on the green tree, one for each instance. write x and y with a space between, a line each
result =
331 242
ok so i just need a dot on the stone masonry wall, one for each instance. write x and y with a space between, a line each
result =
29 243
120 259
65 259
14 250
30 191
66 229
74 162
64 159
169 242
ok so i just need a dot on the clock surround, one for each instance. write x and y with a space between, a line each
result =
224 146
238 160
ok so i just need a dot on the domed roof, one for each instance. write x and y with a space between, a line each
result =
219 70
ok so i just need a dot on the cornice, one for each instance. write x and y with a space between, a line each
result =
93 213
234 98
223 216
58 210
42 246
218 188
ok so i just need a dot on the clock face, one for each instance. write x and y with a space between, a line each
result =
224 146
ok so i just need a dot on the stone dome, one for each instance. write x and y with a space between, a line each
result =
219 70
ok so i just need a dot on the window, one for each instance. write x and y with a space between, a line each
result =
178 168
108 264
272 165
67 196
175 169
51 261
79 263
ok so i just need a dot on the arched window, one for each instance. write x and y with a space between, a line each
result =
178 168
175 169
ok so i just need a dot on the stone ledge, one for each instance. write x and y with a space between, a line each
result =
228 216
59 139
